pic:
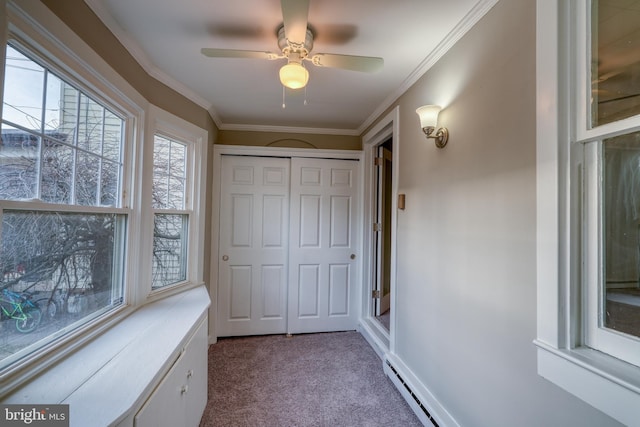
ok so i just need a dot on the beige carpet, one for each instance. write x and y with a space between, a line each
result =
330 379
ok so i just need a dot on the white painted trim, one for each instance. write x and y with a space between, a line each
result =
36 26
4 33
605 382
372 334
480 9
241 150
437 411
141 57
580 374
245 150
47 33
289 129
131 357
388 126
163 122
466 23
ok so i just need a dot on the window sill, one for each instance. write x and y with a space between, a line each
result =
111 376
606 383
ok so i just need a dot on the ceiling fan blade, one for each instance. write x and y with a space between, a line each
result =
234 53
367 64
295 14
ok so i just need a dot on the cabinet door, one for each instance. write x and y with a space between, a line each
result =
195 363
181 397
166 405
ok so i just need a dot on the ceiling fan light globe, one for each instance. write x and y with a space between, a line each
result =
294 76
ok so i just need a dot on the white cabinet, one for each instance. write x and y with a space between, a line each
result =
180 398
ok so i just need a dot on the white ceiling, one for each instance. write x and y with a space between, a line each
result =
246 94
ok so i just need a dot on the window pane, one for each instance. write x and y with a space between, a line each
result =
79 162
87 176
19 163
112 136
90 125
616 63
169 249
23 90
176 193
169 165
161 158
57 173
53 102
58 271
178 159
621 297
68 112
109 183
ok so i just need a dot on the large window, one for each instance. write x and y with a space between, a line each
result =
612 179
588 146
101 197
177 154
63 233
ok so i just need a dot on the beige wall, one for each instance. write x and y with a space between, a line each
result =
466 243
81 19
466 276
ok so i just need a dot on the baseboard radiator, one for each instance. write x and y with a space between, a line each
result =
408 393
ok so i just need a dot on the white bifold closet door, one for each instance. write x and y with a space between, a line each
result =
254 241
322 246
288 245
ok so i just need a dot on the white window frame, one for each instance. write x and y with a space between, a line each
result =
567 254
58 58
65 53
172 127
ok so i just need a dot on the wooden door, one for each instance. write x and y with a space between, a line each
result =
253 241
382 234
323 245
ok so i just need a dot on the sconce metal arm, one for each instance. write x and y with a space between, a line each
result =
441 137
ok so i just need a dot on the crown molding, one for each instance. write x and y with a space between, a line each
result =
466 23
289 129
141 57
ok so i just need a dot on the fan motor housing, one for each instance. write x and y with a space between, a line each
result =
288 47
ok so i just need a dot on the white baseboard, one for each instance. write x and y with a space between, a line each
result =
428 409
374 339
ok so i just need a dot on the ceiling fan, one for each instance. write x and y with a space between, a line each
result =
295 41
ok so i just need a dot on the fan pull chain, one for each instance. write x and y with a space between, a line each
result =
305 96
284 105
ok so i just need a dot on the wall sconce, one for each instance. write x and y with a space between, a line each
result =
428 120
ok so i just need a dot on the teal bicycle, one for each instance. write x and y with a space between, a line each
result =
19 307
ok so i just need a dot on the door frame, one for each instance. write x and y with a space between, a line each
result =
388 127
256 151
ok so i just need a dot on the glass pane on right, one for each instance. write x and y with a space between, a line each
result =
621 291
169 249
615 82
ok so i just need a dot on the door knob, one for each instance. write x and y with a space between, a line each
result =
353 256
225 257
